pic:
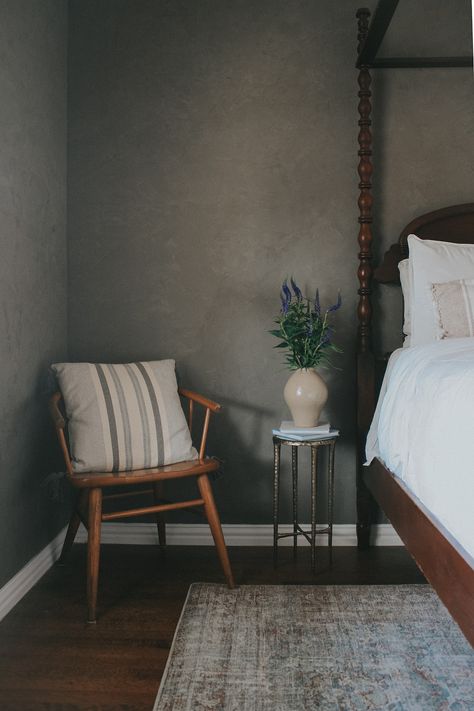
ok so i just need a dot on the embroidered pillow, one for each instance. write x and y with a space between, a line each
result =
454 306
123 417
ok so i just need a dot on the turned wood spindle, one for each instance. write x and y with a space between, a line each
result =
365 358
365 170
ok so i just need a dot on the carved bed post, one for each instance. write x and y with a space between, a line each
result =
365 356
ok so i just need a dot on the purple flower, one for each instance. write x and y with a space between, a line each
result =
286 291
296 289
337 305
317 305
285 297
284 303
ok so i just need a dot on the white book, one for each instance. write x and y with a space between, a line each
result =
289 427
305 437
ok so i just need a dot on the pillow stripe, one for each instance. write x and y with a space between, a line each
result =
149 416
156 412
111 417
126 453
164 415
143 415
103 417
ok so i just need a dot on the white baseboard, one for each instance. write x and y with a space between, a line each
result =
198 534
177 534
23 581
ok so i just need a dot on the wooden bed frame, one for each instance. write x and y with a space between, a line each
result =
442 564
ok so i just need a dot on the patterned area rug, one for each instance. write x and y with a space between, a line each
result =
298 648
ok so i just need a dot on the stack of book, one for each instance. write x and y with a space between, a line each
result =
288 430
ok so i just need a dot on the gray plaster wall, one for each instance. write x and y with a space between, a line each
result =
32 267
212 152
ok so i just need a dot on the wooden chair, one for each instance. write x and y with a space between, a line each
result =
88 508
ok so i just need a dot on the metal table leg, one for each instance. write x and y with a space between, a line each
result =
276 498
332 449
294 469
314 467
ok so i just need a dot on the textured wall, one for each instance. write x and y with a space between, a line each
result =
32 265
213 152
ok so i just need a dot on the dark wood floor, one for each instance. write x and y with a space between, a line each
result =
50 660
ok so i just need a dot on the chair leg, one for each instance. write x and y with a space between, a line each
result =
158 491
93 551
215 526
74 523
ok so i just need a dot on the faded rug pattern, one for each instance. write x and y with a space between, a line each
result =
334 648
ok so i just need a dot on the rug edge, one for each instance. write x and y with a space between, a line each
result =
171 650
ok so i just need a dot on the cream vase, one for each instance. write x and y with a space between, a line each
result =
305 394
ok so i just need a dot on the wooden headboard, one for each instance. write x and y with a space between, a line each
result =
450 224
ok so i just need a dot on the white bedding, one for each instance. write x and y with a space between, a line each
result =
423 431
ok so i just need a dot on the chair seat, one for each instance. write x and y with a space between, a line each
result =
194 467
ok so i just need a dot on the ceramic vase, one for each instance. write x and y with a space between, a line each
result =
305 394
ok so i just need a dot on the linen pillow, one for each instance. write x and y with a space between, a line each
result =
405 281
454 306
433 262
123 417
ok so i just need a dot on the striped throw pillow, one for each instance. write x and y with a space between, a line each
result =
123 417
454 306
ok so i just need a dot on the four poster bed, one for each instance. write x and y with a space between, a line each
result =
434 546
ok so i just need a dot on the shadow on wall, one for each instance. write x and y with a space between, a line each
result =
241 482
245 481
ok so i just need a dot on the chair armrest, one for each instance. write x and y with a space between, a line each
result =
200 399
210 407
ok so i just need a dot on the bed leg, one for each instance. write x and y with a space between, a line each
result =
363 536
365 503
364 512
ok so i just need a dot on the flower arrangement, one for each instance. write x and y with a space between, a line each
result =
304 329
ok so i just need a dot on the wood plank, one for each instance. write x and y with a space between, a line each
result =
445 568
421 62
378 27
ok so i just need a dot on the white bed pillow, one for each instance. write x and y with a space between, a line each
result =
405 281
433 262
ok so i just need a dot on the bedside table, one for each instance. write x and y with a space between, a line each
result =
315 445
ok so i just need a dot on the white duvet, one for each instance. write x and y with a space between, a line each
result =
423 431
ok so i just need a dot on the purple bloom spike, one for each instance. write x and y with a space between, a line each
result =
296 289
317 305
286 291
337 305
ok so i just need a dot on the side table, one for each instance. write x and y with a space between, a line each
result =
315 444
